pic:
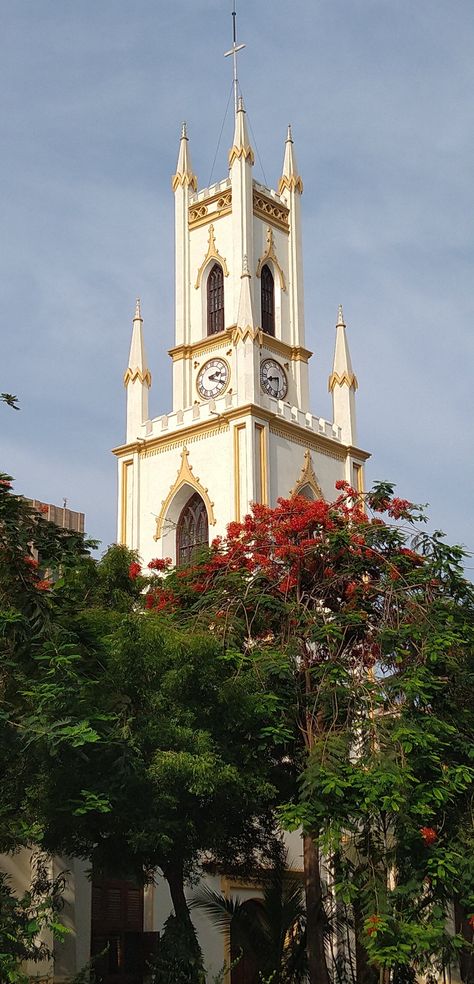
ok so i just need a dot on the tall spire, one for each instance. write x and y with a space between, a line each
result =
343 384
241 146
137 362
184 173
290 177
137 380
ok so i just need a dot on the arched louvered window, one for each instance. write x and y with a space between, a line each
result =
192 531
215 300
268 301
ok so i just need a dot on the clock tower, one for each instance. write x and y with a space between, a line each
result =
241 429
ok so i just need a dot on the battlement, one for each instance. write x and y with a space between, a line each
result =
214 189
219 409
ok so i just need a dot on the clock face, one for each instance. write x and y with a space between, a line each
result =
273 379
212 379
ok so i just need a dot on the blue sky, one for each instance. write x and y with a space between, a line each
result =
379 93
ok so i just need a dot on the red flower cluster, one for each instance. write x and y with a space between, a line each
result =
411 555
31 561
160 565
301 543
161 601
429 835
399 508
372 925
134 570
470 921
43 585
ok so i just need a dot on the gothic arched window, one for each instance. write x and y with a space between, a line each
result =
307 492
215 300
268 301
192 531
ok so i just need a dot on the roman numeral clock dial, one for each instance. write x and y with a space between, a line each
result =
212 379
273 379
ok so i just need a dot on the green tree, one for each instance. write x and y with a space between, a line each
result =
23 918
122 739
182 768
361 626
46 714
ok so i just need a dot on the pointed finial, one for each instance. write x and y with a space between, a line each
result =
184 176
137 362
241 147
290 178
342 371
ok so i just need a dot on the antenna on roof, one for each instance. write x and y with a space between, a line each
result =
233 51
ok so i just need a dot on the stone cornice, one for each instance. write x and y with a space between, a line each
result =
234 335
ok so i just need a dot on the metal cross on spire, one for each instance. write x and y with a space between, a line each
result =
233 51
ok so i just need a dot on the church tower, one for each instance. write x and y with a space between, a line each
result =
241 429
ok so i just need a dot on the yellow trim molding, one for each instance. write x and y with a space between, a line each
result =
270 211
237 429
339 379
294 183
184 477
358 474
242 334
199 213
235 154
294 353
126 465
270 254
261 437
184 180
212 254
131 375
307 476
209 344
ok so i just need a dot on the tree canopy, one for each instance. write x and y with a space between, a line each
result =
361 625
314 665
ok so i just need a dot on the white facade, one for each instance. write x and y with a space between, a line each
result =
254 438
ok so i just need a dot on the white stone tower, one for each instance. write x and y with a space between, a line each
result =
241 429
